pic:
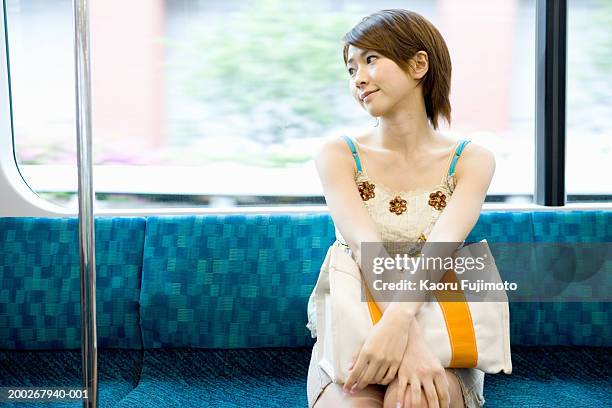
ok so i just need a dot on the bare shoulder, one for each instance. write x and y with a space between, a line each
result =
476 158
334 154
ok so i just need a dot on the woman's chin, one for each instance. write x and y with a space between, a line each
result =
373 111
375 107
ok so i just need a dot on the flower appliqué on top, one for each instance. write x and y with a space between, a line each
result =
366 190
397 205
437 200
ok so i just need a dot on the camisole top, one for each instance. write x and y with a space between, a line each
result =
401 216
404 216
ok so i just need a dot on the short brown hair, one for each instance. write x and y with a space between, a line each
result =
398 35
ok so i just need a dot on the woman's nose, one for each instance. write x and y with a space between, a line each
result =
361 77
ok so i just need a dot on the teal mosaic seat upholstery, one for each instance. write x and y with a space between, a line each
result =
244 281
40 282
576 323
231 281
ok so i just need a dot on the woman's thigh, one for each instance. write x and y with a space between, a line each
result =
456 396
332 396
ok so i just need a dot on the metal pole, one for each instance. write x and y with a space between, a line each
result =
89 349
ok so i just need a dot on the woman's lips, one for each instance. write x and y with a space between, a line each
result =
368 96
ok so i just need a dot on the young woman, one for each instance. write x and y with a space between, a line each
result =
400 181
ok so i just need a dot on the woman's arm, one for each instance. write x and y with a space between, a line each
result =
337 168
474 172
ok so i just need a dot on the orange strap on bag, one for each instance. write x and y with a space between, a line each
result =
458 321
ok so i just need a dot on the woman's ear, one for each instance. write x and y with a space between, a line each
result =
419 65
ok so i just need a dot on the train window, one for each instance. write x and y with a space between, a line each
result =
223 103
589 101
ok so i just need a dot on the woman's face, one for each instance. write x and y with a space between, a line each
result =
377 83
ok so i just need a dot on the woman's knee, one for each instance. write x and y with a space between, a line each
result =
333 397
456 396
390 400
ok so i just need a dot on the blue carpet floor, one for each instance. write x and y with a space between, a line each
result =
542 377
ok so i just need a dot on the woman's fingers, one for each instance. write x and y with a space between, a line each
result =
415 391
380 374
354 374
391 373
402 383
356 371
368 377
430 393
443 390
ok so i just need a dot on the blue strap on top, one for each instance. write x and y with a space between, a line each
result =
462 144
354 151
451 169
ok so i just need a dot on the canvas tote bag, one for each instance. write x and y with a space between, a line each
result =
462 334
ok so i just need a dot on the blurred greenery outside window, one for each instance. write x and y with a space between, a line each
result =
589 100
249 89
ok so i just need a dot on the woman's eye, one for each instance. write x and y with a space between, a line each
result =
351 71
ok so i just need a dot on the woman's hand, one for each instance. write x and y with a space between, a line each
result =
379 358
421 368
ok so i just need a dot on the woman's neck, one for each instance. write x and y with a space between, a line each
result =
406 135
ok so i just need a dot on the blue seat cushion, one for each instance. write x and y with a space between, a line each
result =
231 281
40 282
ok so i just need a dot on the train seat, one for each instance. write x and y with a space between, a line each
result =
210 310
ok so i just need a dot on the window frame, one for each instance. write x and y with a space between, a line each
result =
550 132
